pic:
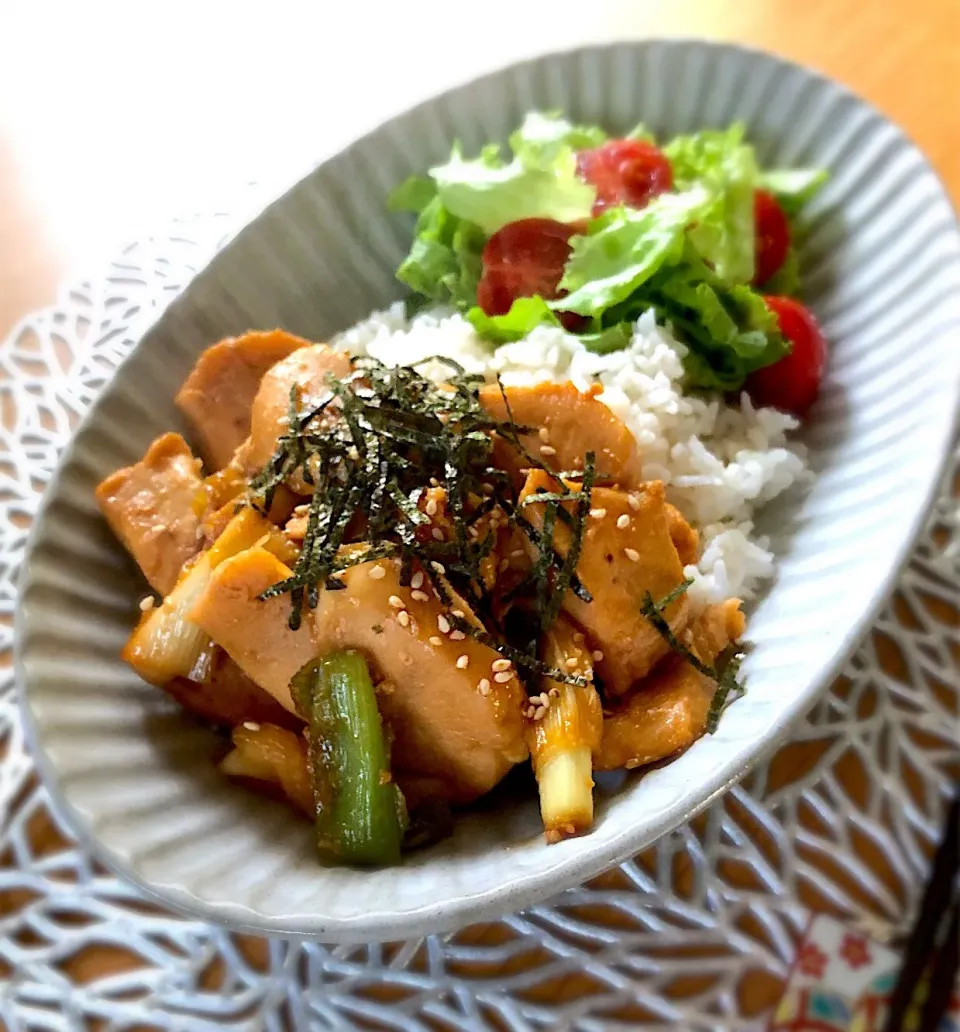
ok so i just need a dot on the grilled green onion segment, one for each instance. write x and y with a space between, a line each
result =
361 814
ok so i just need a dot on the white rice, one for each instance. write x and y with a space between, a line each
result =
719 463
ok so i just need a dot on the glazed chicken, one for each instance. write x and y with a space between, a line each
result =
393 591
217 396
151 507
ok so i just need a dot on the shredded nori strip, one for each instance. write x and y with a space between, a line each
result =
521 659
725 679
728 685
654 611
395 433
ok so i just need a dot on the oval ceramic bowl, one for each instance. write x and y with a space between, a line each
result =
881 259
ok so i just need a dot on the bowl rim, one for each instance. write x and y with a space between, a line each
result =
529 888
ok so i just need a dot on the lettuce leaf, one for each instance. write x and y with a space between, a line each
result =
642 133
623 248
786 280
413 194
539 182
720 162
613 338
688 256
544 135
444 260
526 313
793 188
727 328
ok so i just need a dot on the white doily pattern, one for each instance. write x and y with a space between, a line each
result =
697 931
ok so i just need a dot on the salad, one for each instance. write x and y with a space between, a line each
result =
577 229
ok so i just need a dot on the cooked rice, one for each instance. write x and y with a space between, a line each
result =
720 463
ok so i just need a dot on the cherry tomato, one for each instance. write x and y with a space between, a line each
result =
792 384
772 235
627 172
522 259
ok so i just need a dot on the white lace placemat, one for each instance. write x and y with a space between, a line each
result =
697 932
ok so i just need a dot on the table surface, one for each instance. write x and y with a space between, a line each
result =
136 117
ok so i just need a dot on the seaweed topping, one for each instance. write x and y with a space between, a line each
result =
724 673
397 435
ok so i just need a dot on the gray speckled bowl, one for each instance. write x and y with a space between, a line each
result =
881 257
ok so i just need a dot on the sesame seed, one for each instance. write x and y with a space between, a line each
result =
598 514
544 434
623 522
457 636
457 613
463 662
146 604
488 489
437 534
473 532
632 554
548 450
416 581
444 624
419 596
516 553
483 686
503 677
598 655
544 699
539 712
436 641
352 453
634 501
431 507
554 693
499 665
578 638
396 601
251 725
438 567
434 482
572 663
403 618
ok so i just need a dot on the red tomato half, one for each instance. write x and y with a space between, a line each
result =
772 235
792 384
627 172
522 259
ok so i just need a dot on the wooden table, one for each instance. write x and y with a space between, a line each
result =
112 119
